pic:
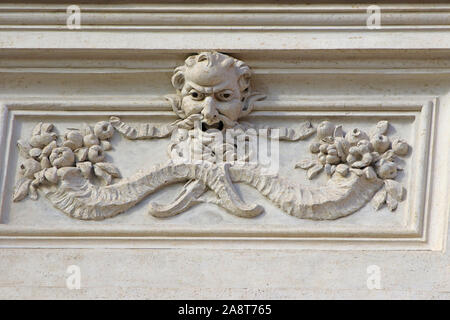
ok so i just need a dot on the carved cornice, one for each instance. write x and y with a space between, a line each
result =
285 27
251 17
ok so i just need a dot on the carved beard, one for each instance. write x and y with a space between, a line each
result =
214 146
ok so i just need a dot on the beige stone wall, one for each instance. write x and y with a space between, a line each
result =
313 63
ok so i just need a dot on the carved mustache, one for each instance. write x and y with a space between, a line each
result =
226 122
197 120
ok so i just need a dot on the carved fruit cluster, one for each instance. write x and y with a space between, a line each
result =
373 155
47 156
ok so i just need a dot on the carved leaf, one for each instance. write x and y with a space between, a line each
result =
379 199
87 130
81 154
305 163
39 178
48 149
370 173
299 133
33 192
51 175
391 202
358 172
388 155
45 163
102 174
24 148
21 190
46 127
338 132
109 168
304 131
37 129
314 171
85 168
394 189
381 127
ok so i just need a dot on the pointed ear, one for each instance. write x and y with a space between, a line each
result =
175 102
244 80
247 105
178 78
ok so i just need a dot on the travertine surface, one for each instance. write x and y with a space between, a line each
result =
222 274
97 123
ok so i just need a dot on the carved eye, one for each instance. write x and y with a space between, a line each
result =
195 95
225 95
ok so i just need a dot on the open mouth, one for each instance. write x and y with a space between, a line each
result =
217 126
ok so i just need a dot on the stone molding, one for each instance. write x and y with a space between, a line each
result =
310 69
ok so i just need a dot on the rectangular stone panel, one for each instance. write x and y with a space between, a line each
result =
29 222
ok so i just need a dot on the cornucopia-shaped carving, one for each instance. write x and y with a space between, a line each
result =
350 187
342 196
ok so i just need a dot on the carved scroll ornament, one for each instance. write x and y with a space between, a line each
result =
213 92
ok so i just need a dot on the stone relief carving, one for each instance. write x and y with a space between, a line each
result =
213 92
371 155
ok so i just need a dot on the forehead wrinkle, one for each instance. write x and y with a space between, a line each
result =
214 89
222 86
197 87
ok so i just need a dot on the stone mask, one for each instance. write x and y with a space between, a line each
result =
213 85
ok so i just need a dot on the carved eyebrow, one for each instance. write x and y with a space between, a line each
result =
191 85
222 87
202 89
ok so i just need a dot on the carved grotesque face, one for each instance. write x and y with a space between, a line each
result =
214 87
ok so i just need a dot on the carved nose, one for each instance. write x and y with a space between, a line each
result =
209 111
